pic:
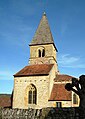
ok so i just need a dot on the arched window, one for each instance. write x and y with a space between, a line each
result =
43 53
39 52
30 97
75 99
32 94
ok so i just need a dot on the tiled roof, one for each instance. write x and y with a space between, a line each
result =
33 70
62 77
59 93
5 100
43 34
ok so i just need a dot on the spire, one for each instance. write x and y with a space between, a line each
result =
44 14
43 34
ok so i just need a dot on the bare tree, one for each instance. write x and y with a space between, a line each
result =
79 90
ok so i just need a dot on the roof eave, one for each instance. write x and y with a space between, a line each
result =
30 75
44 44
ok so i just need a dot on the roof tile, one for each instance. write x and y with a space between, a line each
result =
43 33
59 93
63 77
32 70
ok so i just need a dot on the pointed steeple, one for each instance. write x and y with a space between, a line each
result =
44 14
43 34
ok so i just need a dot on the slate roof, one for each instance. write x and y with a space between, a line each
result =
59 93
34 70
5 100
43 33
63 77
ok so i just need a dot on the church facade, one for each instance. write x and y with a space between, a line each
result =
40 83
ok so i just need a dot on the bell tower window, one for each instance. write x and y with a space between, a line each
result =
41 52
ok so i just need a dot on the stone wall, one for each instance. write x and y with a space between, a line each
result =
49 51
20 97
45 113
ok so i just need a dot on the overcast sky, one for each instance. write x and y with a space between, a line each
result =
19 20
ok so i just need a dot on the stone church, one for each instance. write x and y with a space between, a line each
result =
40 84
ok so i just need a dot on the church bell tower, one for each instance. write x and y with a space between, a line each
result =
42 47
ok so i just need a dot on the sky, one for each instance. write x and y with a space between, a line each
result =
19 20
